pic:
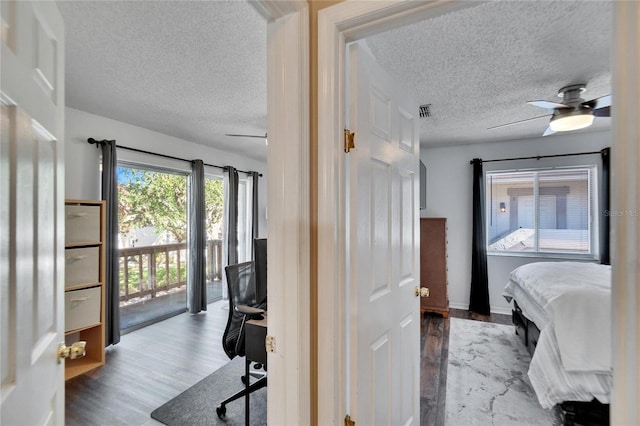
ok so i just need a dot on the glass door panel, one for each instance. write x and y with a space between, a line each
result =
152 220
214 209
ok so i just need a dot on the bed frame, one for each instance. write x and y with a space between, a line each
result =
592 413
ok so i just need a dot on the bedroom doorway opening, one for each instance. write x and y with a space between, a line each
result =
547 208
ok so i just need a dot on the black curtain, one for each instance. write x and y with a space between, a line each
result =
479 300
604 213
110 195
255 220
197 282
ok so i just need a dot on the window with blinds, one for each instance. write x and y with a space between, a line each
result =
540 211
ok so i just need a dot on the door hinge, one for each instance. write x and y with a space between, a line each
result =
348 421
349 140
270 343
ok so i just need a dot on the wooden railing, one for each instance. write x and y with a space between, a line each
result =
150 270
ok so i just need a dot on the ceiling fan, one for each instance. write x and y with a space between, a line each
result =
246 136
249 136
573 113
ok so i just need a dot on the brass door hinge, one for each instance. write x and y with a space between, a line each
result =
348 421
270 343
349 140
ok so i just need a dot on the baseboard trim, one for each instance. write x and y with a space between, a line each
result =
501 310
494 310
464 307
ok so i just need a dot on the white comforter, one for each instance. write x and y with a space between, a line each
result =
571 304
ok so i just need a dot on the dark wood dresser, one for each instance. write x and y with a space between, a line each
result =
433 265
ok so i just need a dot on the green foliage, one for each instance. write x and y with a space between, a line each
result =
213 197
159 200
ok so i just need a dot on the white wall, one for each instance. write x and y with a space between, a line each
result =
449 194
82 174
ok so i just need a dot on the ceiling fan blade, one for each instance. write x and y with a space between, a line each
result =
602 112
247 136
548 104
597 103
548 132
518 122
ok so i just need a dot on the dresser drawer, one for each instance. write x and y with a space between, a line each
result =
82 266
82 308
82 224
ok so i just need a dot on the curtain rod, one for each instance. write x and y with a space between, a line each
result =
537 157
98 143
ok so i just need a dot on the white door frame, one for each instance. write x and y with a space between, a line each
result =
288 206
625 199
349 21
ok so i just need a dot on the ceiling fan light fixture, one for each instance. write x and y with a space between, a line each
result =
571 121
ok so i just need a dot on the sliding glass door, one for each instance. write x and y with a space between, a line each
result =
152 216
152 240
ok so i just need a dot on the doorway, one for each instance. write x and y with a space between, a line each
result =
337 24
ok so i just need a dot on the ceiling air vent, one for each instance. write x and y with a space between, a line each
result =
425 110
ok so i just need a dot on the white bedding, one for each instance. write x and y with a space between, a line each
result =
553 384
570 302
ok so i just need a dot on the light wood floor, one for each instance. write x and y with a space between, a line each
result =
154 364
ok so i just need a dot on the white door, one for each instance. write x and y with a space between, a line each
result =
384 313
31 213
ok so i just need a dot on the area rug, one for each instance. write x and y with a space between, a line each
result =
487 381
197 405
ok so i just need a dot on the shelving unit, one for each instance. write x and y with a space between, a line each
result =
85 283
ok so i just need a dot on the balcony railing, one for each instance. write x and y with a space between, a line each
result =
153 270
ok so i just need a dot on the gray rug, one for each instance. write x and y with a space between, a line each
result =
197 405
487 381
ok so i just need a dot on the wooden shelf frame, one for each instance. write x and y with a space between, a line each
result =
93 334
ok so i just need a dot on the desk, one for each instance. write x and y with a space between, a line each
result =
255 334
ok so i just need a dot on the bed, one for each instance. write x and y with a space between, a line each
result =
562 312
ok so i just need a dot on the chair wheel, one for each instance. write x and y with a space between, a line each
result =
244 380
222 411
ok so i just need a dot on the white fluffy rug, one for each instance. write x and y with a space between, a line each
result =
487 381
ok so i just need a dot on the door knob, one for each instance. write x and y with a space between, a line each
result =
77 350
422 291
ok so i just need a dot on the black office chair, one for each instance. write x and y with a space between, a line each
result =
243 306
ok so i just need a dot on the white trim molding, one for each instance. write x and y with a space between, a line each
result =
625 196
331 224
463 306
288 206
501 310
272 10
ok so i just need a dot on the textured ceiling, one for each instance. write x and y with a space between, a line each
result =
197 70
193 70
478 67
